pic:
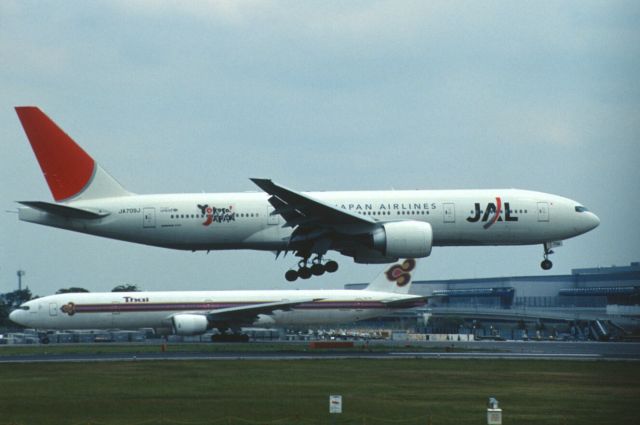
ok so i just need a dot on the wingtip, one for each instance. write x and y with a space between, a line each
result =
261 183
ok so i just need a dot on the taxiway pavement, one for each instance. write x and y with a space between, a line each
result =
443 350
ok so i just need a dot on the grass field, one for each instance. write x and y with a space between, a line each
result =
402 391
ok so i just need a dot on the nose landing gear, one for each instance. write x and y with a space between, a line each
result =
317 269
546 264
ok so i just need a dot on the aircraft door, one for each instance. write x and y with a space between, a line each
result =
53 309
543 211
149 218
115 318
449 212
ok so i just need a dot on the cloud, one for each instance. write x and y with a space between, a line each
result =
229 12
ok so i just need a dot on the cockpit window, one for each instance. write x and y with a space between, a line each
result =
580 208
24 307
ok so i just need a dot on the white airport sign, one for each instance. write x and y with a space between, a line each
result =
335 404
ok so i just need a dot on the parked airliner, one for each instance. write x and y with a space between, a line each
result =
369 226
193 313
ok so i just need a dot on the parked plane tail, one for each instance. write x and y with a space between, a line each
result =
70 172
396 278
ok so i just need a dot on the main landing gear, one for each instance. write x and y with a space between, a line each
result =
317 269
229 338
546 264
229 335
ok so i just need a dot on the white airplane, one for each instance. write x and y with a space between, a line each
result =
195 312
369 226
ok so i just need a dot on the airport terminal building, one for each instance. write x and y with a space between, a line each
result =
589 303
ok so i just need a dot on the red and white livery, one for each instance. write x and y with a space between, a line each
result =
369 226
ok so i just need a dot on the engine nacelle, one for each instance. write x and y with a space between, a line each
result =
190 324
404 239
265 320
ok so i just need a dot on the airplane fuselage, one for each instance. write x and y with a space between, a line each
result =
244 220
135 310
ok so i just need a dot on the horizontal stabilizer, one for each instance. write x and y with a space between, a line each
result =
64 210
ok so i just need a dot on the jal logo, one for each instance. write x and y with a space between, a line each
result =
492 213
219 215
399 273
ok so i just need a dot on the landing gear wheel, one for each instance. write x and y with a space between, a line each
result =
546 263
304 272
291 275
317 269
331 266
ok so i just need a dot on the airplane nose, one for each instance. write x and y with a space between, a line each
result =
585 220
16 316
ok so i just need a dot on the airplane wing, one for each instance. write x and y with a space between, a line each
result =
299 209
319 227
249 313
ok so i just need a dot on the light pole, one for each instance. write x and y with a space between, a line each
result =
20 273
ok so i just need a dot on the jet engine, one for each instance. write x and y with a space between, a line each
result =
190 324
403 239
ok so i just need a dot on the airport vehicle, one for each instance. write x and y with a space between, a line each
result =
195 312
369 226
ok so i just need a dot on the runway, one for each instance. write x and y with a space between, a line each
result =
585 351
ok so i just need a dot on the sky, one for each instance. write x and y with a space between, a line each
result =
199 96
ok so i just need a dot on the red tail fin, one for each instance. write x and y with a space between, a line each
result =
67 168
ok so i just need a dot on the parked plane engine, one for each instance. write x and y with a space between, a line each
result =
190 324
